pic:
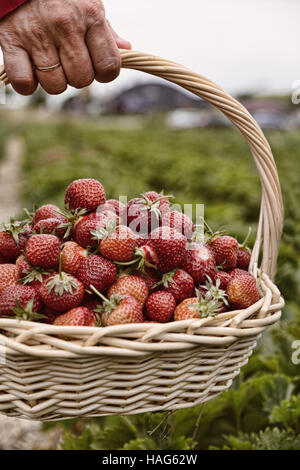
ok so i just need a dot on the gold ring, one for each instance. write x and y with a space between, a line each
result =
48 69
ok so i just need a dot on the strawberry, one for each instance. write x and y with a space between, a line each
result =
43 251
244 253
80 316
97 271
116 243
85 194
144 214
212 290
224 249
224 278
84 230
8 276
165 249
160 306
243 258
61 291
242 291
19 296
200 306
52 226
115 206
180 222
49 211
238 272
179 283
72 255
199 262
4 260
130 285
150 276
119 309
13 238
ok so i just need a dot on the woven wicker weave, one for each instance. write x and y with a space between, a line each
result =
130 369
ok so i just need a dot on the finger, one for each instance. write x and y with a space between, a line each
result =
77 63
104 52
121 42
54 82
19 70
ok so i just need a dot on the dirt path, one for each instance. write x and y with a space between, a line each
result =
16 433
11 179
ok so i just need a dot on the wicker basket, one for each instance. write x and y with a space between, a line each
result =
132 369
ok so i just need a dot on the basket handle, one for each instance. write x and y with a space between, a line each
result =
271 211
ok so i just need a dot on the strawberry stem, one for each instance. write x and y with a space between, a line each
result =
60 266
245 242
102 297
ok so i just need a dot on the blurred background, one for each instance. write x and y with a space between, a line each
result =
140 133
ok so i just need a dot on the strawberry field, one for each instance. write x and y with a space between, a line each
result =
212 167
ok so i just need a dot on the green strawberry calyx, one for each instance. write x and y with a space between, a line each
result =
106 231
26 313
72 217
108 305
213 302
167 278
14 228
153 206
62 282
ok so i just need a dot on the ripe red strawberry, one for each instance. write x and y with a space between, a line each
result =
97 271
179 283
19 296
144 214
43 251
130 285
243 258
242 291
115 206
180 222
199 262
51 226
13 238
86 194
80 316
84 230
116 243
49 211
224 249
165 249
238 272
72 255
160 306
62 292
224 278
8 276
120 310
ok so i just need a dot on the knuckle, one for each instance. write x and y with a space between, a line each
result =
62 22
56 89
108 70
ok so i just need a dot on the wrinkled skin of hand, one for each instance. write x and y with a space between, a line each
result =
46 32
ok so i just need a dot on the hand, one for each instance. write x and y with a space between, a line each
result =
73 33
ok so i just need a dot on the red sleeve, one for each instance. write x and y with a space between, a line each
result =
6 6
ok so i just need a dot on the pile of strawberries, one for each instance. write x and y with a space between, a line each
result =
99 262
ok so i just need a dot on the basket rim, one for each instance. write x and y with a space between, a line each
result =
142 339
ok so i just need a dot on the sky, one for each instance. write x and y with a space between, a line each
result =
243 45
